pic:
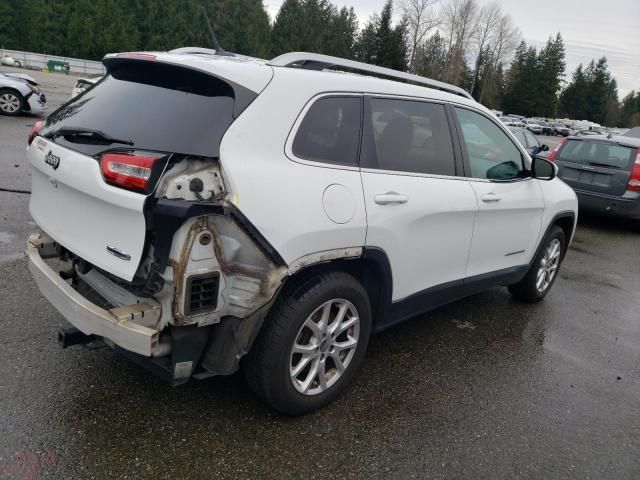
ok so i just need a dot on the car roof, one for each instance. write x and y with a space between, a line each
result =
254 73
617 139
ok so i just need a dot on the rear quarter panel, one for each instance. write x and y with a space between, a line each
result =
283 198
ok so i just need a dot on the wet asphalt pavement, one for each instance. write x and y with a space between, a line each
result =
484 388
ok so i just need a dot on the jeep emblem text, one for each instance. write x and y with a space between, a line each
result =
52 160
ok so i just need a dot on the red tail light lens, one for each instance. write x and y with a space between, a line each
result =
35 131
634 181
127 170
554 152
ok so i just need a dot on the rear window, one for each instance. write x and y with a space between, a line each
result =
153 105
590 152
330 132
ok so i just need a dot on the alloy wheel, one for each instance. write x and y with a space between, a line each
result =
324 347
548 265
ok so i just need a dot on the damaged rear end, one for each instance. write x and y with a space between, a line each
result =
142 246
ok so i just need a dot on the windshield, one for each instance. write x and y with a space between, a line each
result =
154 106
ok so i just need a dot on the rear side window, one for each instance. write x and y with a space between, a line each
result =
408 136
490 152
330 131
590 152
153 105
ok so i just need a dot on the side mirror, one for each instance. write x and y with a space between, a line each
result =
544 147
543 169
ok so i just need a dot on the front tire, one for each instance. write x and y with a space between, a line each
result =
11 102
313 341
544 269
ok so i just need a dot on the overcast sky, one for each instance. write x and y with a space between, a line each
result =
590 28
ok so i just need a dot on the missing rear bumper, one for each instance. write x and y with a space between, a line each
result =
117 325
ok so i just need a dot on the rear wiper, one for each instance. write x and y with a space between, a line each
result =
79 132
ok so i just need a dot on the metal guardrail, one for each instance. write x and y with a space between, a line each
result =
38 61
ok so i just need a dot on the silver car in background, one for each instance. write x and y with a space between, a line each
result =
20 93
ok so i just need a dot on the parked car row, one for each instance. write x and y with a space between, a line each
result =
536 125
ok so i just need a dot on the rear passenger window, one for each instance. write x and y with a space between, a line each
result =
408 136
330 131
490 152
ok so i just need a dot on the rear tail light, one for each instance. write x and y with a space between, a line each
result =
554 152
128 170
35 131
634 181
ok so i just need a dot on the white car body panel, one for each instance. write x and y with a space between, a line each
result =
74 205
426 239
507 226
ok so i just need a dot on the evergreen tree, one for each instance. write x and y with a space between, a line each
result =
391 45
431 57
343 31
552 65
573 99
366 49
11 14
382 43
599 90
522 84
630 110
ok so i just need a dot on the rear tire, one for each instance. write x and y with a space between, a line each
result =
544 269
307 319
11 102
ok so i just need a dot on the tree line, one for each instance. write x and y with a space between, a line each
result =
477 47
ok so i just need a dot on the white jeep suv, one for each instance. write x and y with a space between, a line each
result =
202 212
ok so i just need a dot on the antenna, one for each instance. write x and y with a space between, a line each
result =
219 50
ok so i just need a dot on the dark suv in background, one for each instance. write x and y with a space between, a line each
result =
604 171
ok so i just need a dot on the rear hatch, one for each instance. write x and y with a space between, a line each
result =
597 165
99 157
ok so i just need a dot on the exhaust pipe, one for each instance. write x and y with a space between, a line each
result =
72 336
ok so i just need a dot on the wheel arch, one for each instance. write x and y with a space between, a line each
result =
372 269
567 222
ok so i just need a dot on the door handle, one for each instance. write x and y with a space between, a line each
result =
490 198
390 198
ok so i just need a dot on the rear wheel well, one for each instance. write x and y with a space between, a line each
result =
368 272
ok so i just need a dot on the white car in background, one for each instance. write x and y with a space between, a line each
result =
83 84
20 93
533 126
512 122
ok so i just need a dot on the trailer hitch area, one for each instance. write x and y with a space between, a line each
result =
72 336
